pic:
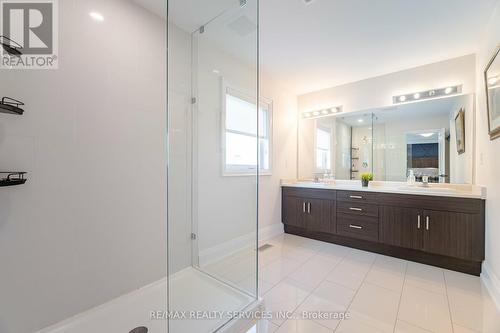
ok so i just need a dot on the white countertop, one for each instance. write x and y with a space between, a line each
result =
441 190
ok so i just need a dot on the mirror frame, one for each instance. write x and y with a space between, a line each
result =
493 132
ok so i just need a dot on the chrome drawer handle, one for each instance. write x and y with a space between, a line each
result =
355 226
356 197
356 209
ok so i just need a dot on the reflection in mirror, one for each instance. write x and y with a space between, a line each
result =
336 146
431 138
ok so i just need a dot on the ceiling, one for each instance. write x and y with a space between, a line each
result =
332 42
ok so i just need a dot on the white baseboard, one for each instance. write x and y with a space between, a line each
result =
492 283
271 231
228 248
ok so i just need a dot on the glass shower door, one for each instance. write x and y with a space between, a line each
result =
225 146
215 140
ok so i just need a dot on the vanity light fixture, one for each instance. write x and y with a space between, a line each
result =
321 113
422 95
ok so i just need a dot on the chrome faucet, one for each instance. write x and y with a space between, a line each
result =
317 177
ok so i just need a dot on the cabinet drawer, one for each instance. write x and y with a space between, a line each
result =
361 227
357 196
357 208
309 193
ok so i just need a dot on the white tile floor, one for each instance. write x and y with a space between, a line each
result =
380 293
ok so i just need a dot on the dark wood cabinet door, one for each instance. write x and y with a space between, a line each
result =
293 210
453 234
318 215
400 227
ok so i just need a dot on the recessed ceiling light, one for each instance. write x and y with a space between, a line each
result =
493 80
360 120
426 135
97 16
448 90
402 98
416 96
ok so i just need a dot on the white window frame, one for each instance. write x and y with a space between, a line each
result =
245 170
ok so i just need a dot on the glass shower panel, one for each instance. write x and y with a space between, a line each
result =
214 136
225 146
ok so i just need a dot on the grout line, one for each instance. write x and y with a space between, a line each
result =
357 290
401 297
314 289
317 286
429 291
448 301
413 325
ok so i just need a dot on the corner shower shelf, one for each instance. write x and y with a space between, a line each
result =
11 106
12 178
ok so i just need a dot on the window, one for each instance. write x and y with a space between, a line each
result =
323 149
240 134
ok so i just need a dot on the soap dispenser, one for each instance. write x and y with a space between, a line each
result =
411 178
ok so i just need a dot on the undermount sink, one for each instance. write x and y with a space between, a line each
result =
427 189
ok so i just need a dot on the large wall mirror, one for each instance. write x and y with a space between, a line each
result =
432 138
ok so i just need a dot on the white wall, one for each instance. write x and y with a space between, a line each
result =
179 171
89 225
488 159
284 155
378 92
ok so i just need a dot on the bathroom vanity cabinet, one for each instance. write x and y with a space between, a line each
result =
442 231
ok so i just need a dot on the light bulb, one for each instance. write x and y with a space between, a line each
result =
97 16
402 98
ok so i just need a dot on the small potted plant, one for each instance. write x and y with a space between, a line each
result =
366 178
